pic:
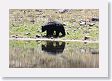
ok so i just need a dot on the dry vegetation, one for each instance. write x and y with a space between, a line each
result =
75 55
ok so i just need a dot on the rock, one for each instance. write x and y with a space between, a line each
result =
64 24
95 19
94 52
38 36
37 10
74 30
14 36
63 10
69 27
24 12
44 16
67 33
26 28
33 21
13 25
51 37
82 23
38 30
90 28
86 37
91 24
28 33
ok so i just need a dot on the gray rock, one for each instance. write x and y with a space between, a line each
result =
86 37
63 10
37 10
82 23
74 30
91 24
33 21
28 33
95 19
51 37
67 33
14 36
38 36
94 52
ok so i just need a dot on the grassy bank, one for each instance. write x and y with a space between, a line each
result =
27 23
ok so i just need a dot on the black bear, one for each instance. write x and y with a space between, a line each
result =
50 27
53 47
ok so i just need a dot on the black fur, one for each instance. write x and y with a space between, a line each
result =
50 27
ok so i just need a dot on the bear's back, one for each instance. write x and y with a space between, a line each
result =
53 23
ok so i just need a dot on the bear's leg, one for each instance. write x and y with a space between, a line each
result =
48 33
51 32
61 30
63 33
57 33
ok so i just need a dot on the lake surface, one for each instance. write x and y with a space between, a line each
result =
53 54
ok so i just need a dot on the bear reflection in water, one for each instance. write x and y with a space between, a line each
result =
53 47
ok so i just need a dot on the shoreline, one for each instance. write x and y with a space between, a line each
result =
48 39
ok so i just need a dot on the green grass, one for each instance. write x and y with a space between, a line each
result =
34 44
19 22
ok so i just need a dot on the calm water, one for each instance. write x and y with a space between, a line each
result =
49 54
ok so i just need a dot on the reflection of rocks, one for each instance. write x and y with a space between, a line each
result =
14 36
53 47
28 33
38 36
94 51
89 51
